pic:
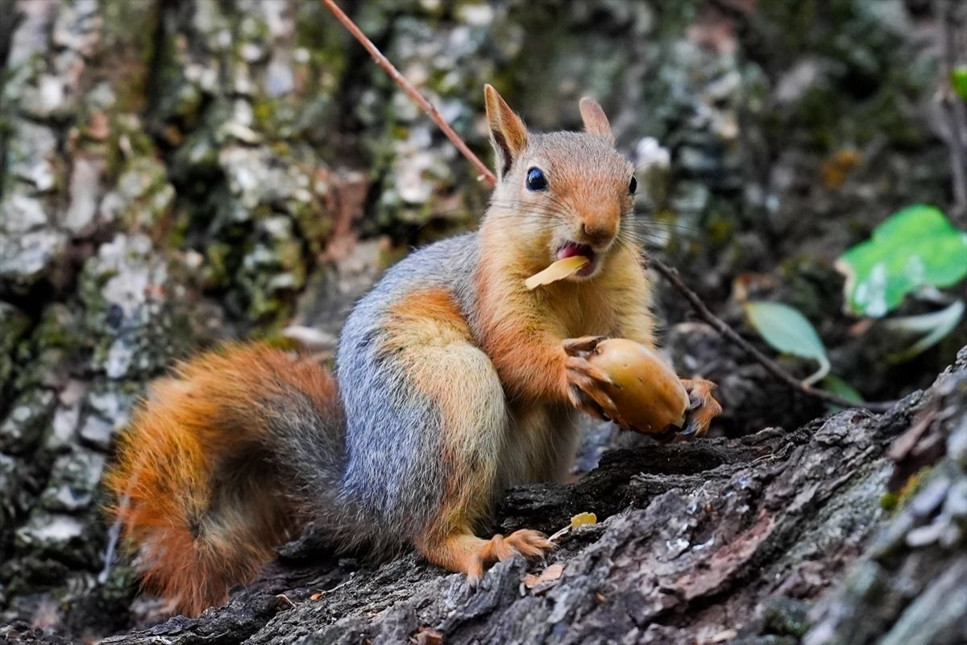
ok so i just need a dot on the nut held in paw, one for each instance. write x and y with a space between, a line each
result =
646 391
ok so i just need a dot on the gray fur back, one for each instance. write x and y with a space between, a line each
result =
393 479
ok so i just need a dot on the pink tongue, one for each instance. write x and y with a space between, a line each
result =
568 250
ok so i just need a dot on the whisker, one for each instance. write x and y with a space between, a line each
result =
646 164
676 226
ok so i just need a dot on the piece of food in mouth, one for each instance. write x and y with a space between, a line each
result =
647 393
557 271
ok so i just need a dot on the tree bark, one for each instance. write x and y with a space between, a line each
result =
777 537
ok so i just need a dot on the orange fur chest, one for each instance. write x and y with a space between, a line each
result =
574 310
597 307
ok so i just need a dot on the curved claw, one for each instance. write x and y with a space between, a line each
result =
702 408
585 404
581 346
581 368
589 382
694 402
690 428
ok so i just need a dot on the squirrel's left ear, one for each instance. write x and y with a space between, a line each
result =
595 121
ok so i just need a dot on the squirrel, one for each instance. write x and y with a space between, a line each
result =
452 383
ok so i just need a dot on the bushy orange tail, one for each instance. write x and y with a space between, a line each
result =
202 488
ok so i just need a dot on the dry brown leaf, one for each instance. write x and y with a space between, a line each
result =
428 636
837 168
551 573
548 576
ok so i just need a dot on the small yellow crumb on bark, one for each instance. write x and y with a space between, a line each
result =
582 519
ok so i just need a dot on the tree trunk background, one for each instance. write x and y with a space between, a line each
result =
175 173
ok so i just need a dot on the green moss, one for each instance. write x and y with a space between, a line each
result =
32 574
326 41
819 114
216 270
894 501
137 143
128 49
250 28
889 502
785 617
13 326
177 235
121 585
55 330
267 311
315 226
263 111
29 415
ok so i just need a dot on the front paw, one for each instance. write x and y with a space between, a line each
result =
588 388
702 407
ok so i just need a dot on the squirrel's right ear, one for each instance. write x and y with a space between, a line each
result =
595 120
507 131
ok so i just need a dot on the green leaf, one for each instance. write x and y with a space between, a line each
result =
934 326
916 246
788 331
958 78
836 385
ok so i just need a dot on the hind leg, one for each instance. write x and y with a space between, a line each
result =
433 347
466 553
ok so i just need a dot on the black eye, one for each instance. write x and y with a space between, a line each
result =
633 186
536 179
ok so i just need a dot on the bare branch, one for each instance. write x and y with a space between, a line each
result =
671 274
952 107
413 93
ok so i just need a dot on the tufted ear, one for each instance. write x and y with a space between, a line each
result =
595 121
507 131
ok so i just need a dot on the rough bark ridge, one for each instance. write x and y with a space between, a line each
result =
715 541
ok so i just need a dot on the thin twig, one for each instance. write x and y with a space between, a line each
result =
671 274
414 94
952 107
668 272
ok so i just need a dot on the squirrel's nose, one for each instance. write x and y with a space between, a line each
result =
597 233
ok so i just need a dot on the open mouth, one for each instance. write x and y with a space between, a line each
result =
571 249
